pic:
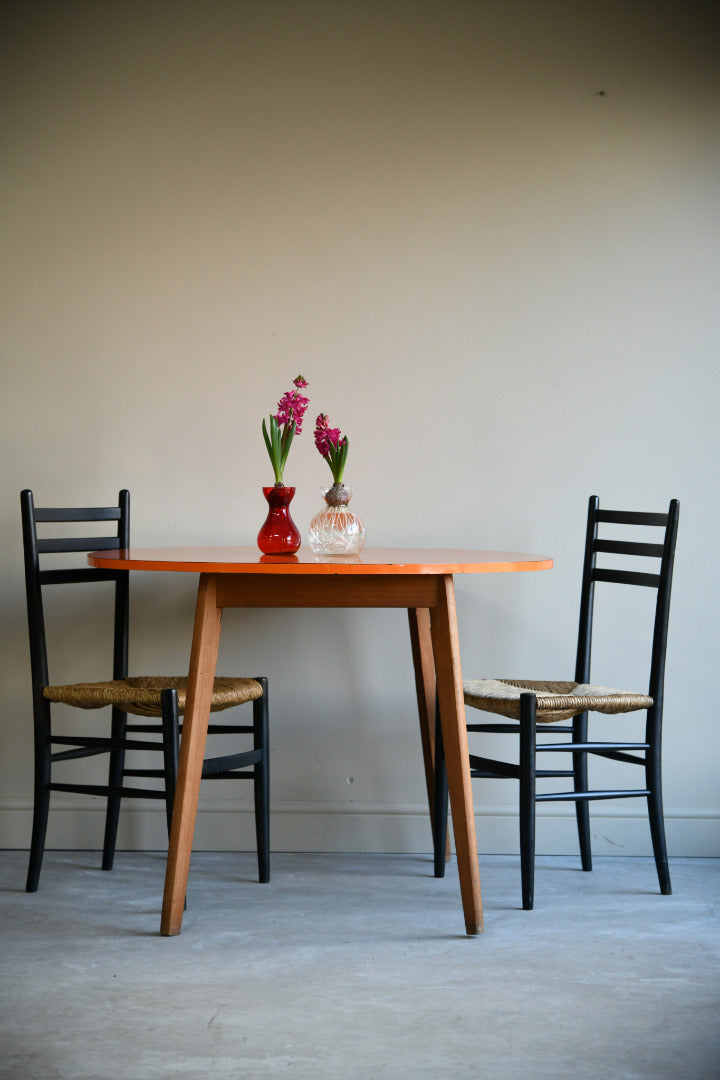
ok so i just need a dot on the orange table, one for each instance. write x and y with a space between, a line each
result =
419 580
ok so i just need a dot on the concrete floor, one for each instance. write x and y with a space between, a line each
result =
357 967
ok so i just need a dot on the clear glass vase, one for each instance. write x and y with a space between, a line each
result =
336 530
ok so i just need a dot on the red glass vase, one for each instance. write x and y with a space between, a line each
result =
279 535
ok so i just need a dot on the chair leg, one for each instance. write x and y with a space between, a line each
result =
115 779
657 821
41 805
261 782
170 720
171 748
440 800
580 781
528 712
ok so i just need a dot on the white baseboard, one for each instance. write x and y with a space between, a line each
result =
78 825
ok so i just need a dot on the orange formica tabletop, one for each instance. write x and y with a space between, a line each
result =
248 560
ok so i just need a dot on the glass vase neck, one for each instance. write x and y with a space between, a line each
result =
279 494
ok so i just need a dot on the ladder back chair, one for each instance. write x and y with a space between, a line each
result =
535 707
158 698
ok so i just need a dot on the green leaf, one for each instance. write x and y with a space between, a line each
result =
267 439
288 436
272 442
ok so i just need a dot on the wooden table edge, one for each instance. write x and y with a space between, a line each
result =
442 562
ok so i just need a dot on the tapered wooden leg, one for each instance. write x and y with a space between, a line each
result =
452 718
203 659
424 665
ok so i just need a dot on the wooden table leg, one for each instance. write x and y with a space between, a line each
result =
452 718
424 665
203 660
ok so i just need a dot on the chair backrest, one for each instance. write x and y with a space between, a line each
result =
36 578
662 549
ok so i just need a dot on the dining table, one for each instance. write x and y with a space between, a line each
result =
419 580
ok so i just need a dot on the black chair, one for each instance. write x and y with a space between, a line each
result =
144 696
534 705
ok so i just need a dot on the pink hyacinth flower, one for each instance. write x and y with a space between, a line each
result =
325 436
291 409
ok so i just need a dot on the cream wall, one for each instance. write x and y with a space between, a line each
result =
499 281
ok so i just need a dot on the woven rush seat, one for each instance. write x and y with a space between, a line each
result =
141 696
555 700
